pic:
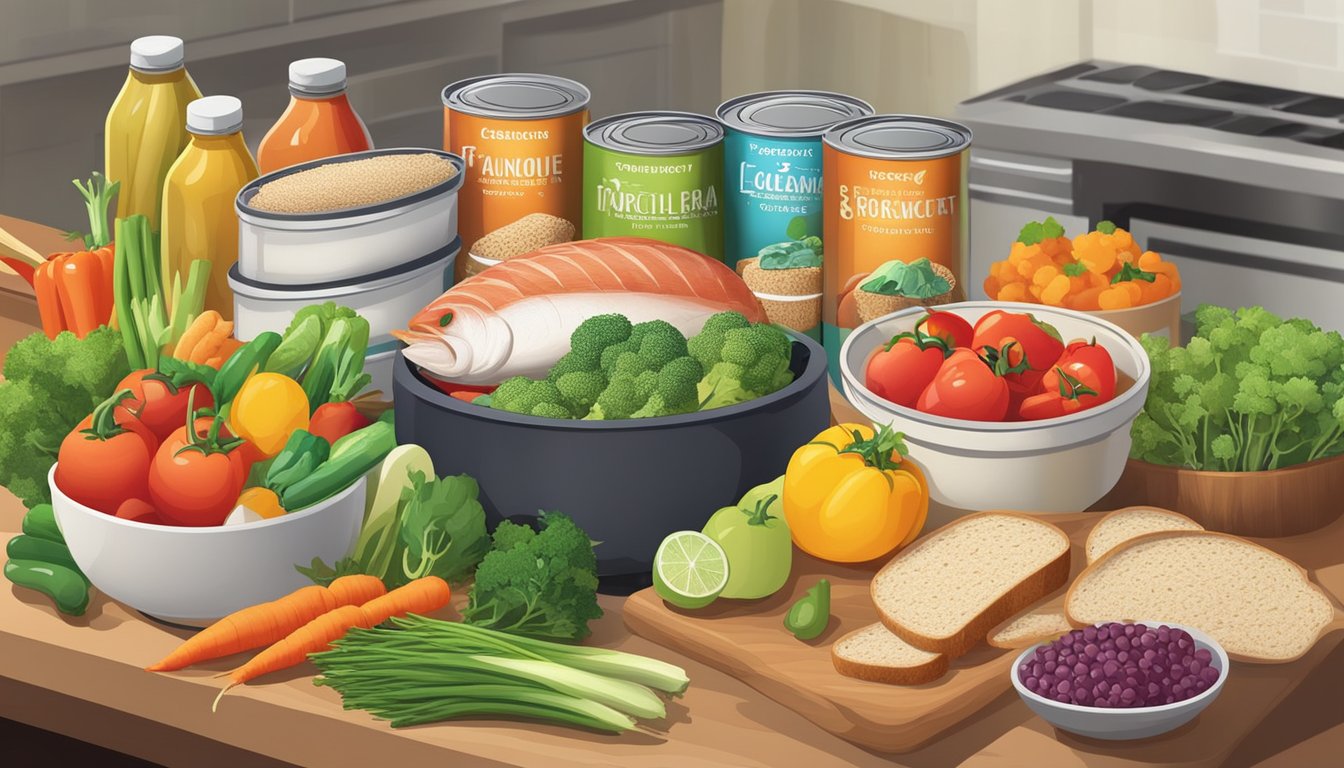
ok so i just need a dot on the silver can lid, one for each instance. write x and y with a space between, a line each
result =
655 133
899 137
516 96
790 114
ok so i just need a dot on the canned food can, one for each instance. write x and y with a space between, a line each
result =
521 136
773 196
657 175
895 190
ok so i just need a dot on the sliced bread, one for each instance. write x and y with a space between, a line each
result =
1256 603
943 593
1035 626
1124 524
874 653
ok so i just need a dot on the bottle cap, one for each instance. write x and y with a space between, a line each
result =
317 75
215 115
156 53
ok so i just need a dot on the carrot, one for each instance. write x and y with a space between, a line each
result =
424 595
264 624
48 298
202 325
81 282
105 257
208 347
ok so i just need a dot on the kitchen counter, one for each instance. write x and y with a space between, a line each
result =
84 677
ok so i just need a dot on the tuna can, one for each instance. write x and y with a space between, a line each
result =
773 196
895 189
521 137
657 175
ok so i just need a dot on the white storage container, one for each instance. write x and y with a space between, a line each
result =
289 249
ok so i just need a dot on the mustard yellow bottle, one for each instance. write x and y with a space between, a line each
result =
146 127
198 218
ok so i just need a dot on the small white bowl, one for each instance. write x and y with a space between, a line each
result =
1123 724
193 576
1051 465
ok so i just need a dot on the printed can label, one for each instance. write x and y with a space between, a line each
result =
674 198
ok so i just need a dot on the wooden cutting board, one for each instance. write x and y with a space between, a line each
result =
747 640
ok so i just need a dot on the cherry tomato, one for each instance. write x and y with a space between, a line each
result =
105 460
901 370
952 328
970 387
1038 342
161 405
195 480
140 511
1084 377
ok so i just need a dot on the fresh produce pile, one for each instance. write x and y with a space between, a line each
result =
1250 392
1101 270
616 370
38 559
1120 666
1008 367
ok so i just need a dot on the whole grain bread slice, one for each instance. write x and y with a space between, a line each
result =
874 653
1034 626
1259 605
1124 524
945 592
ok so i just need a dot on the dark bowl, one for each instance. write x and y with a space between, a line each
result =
627 483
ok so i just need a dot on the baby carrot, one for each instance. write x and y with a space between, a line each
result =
199 328
264 624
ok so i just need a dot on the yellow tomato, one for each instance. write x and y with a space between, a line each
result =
263 501
851 495
267 409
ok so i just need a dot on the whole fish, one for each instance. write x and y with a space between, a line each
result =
515 318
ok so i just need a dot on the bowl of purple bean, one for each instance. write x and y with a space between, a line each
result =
1121 680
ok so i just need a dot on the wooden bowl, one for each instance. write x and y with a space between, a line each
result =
1280 502
1161 318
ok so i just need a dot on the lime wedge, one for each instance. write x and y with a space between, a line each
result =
689 570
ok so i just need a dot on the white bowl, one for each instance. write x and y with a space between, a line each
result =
193 576
1051 465
1119 724
299 249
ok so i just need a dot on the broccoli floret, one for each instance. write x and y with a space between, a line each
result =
587 343
523 395
707 345
675 391
579 389
619 400
753 361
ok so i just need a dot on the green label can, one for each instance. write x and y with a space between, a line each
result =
657 175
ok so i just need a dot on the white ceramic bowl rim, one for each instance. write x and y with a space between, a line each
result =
1132 345
307 511
1200 637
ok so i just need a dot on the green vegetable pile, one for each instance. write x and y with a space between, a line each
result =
323 349
616 370
1249 392
800 251
40 560
49 386
916 280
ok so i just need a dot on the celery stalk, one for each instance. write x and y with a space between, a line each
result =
122 298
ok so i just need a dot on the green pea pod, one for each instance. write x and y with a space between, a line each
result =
65 587
41 522
32 548
246 360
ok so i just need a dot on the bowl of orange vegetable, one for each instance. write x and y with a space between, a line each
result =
1104 273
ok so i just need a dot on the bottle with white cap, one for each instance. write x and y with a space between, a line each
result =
199 221
145 129
319 121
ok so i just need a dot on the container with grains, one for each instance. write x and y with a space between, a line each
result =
347 218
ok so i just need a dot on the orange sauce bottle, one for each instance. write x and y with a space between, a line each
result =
319 121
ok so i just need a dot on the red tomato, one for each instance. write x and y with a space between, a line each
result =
951 328
105 459
1083 377
140 511
901 370
1038 342
194 481
336 420
967 387
161 405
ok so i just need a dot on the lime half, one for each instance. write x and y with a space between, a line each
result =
689 570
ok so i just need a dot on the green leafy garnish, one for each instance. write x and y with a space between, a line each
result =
1130 272
794 254
1076 269
1106 227
1034 232
797 228
916 280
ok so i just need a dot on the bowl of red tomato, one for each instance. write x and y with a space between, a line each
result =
1003 408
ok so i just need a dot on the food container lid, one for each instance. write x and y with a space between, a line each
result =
156 53
899 137
655 133
516 96
317 75
215 115
790 113
259 289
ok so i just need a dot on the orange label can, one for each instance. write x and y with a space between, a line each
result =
521 139
895 188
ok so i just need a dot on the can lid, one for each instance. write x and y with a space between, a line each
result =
317 75
790 113
899 137
516 96
157 53
215 115
655 133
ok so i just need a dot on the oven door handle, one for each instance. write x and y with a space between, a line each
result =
1249 261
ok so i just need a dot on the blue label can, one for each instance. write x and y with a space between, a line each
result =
773 196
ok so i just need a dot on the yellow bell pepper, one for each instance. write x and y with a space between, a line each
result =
851 495
267 409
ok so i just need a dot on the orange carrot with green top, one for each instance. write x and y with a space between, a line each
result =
267 623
